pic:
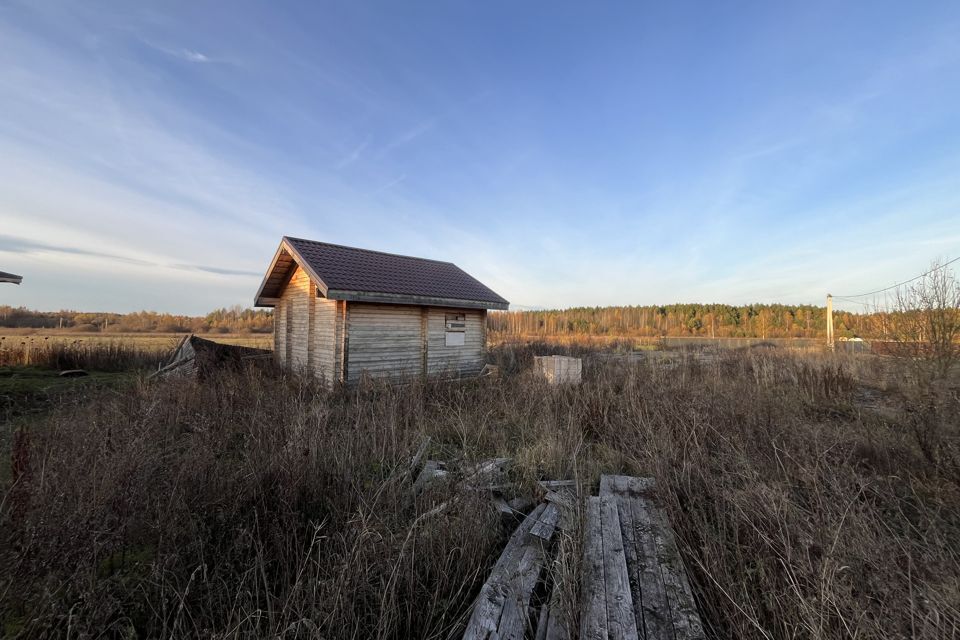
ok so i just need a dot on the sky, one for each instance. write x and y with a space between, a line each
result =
152 155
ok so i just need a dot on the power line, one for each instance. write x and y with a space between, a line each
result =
862 304
899 284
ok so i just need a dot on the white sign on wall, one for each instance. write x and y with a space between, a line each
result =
455 338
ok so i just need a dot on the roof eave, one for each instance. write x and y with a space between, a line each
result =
261 300
396 298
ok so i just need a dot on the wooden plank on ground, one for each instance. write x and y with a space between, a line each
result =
432 470
486 471
417 458
647 581
557 625
593 613
547 523
646 585
644 580
551 485
543 622
488 608
681 607
625 485
516 606
621 619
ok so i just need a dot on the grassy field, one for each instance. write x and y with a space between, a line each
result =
31 360
813 496
154 341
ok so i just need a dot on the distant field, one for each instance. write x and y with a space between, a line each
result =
158 341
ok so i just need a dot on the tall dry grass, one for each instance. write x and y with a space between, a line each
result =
78 353
260 507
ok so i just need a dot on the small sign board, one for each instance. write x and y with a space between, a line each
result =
456 321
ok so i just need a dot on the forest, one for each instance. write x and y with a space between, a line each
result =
704 320
234 319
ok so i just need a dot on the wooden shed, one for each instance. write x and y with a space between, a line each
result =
342 312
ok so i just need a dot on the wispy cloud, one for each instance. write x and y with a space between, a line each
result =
193 56
186 54
10 244
221 271
407 136
355 154
388 186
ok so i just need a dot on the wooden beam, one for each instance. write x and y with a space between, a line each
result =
488 607
621 619
593 612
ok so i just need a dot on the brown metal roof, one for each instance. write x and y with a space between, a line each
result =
348 273
10 277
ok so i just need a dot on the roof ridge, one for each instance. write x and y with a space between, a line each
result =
382 253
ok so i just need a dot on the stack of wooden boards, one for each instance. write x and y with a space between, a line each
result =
633 585
504 607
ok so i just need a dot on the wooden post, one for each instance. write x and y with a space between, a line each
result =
830 321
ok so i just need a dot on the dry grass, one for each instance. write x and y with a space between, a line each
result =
102 351
260 507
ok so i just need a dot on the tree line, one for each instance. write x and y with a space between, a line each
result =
234 319
704 320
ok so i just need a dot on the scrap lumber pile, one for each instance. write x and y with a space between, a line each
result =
634 584
197 357
506 605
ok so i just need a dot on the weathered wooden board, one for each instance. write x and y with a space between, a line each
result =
515 618
433 470
417 459
550 485
509 576
593 612
658 582
684 616
547 523
621 619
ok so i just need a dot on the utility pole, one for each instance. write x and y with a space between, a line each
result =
830 321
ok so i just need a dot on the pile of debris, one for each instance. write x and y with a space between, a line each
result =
634 585
197 357
633 582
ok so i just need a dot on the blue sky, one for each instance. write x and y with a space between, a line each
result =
153 154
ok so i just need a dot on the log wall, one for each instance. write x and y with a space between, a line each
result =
389 341
383 340
463 360
304 339
337 340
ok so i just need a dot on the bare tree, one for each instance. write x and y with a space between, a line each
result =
925 321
